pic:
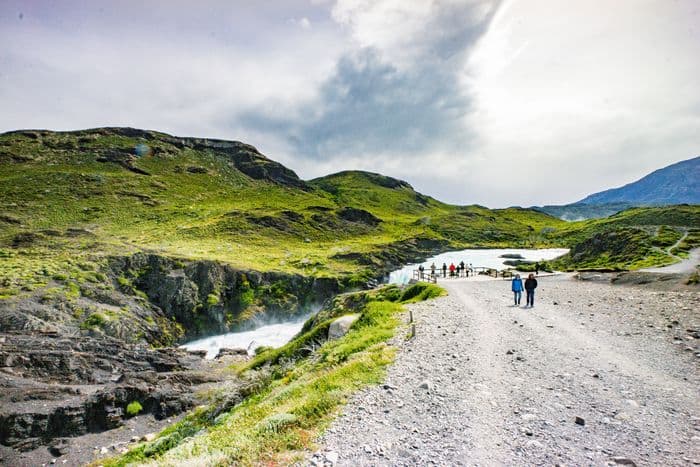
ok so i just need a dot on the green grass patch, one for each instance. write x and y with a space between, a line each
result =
134 408
94 320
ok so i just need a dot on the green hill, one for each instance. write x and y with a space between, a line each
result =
69 197
631 239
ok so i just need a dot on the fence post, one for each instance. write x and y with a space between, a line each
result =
413 330
410 315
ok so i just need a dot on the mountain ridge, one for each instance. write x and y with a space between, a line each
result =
675 184
678 183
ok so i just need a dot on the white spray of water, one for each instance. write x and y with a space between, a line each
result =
270 335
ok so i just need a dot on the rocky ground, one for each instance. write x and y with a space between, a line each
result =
594 374
64 399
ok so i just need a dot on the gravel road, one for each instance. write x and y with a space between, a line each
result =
487 383
684 266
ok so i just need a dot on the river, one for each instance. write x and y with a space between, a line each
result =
276 335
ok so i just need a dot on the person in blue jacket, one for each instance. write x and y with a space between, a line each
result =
517 288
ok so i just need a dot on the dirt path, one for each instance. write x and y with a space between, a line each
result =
487 383
685 266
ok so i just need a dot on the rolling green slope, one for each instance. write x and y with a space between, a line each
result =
70 198
632 239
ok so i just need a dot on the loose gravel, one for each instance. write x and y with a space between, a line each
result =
594 374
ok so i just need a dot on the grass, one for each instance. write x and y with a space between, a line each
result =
629 240
296 393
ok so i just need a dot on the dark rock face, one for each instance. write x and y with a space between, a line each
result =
359 215
394 255
184 292
57 387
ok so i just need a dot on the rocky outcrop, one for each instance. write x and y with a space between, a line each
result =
57 387
359 215
340 326
207 297
394 255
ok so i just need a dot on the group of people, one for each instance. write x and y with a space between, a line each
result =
530 285
459 270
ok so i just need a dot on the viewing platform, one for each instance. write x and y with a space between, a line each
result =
474 271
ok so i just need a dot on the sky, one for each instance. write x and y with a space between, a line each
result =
498 102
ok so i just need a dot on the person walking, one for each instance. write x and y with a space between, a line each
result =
444 270
517 288
530 286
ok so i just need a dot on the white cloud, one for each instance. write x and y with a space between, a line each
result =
578 101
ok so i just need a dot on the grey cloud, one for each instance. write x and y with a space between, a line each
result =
370 106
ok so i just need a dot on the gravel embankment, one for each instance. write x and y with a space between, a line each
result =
487 383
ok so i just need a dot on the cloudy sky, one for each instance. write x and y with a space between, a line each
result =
513 102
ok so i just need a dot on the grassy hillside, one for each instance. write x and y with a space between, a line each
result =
632 239
71 198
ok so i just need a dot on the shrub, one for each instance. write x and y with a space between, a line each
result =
212 299
421 291
94 320
134 408
277 422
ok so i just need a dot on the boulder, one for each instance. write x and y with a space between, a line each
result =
341 326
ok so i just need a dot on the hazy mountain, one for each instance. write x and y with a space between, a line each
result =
677 183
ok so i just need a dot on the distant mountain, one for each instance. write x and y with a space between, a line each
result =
678 183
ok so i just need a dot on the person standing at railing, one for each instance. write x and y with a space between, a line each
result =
452 269
421 269
444 269
432 270
461 267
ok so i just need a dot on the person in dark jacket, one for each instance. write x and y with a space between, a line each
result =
517 288
444 270
461 267
530 286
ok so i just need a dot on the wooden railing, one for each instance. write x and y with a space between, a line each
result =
429 275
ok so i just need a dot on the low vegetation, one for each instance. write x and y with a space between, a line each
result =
134 408
291 392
